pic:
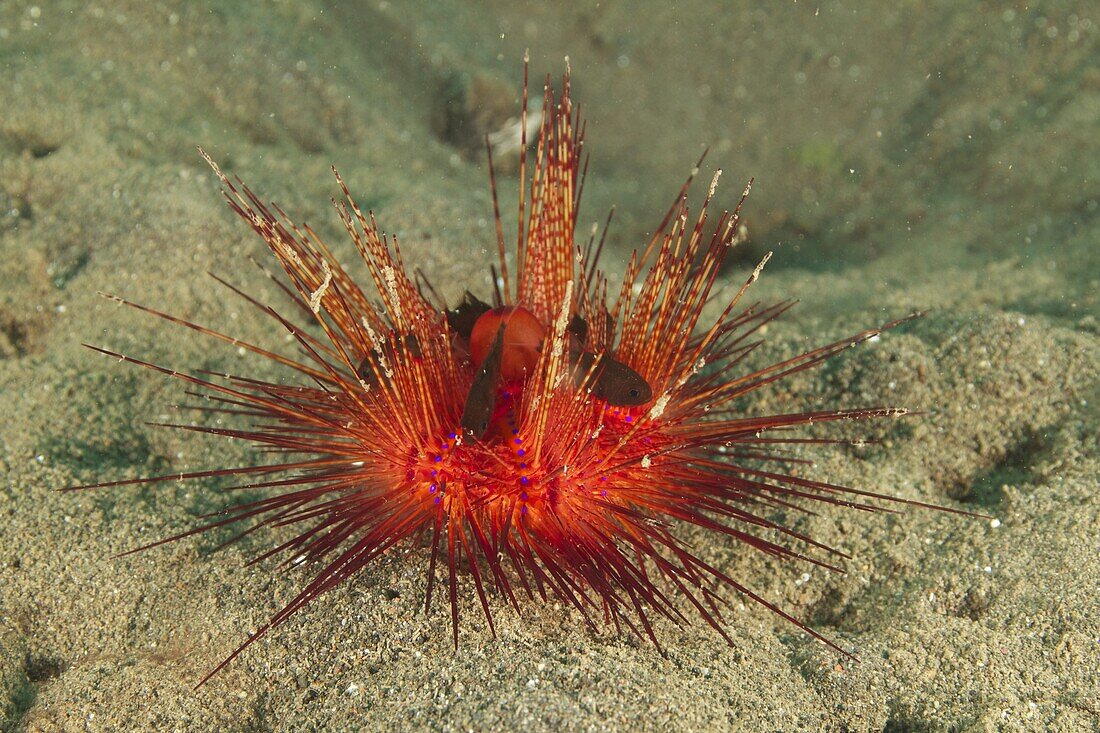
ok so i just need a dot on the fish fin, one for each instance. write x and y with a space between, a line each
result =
463 318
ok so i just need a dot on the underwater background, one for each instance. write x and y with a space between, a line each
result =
938 156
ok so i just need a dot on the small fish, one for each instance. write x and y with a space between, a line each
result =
478 412
614 382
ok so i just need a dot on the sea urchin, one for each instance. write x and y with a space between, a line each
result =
549 444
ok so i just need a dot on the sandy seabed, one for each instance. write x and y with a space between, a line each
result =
929 156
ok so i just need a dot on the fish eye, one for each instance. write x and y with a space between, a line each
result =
633 391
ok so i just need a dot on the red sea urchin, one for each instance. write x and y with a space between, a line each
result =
549 444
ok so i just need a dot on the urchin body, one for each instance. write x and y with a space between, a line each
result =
551 443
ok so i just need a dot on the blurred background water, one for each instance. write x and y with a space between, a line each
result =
930 137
